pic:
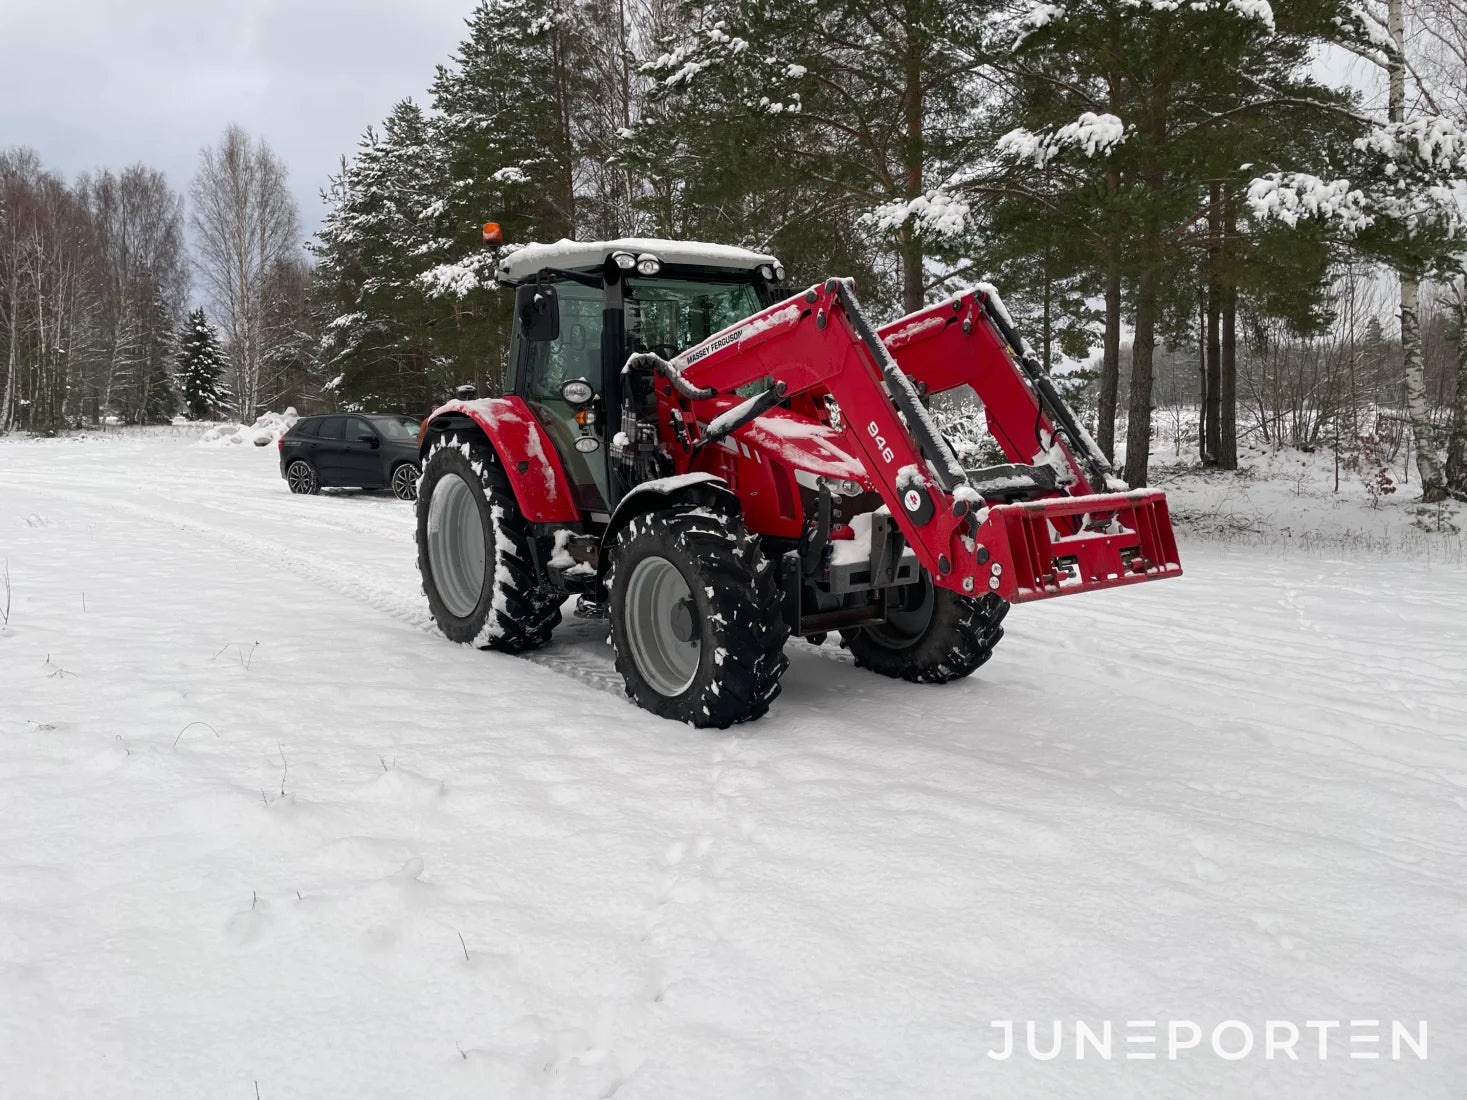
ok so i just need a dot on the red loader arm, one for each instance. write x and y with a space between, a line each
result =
820 342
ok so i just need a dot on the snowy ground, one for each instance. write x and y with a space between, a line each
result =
263 830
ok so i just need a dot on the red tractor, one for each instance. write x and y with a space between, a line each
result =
716 466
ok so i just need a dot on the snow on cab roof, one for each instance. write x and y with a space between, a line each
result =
570 255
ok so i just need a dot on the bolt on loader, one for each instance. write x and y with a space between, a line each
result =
716 465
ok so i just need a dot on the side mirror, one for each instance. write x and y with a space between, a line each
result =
538 309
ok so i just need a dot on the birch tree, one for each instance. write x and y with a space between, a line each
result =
246 225
1442 71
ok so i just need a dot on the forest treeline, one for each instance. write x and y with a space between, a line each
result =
1187 175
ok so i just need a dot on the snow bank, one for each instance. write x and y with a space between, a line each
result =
263 432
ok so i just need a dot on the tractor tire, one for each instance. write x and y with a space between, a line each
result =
474 552
931 635
694 618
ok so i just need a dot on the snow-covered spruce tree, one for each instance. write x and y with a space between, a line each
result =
202 370
383 228
507 105
825 120
1191 86
158 400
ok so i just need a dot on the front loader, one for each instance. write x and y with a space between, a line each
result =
715 466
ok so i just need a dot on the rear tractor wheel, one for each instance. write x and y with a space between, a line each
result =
931 635
474 555
695 618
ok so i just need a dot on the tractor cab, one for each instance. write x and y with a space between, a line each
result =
583 308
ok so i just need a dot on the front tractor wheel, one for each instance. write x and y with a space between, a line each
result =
931 635
473 552
695 619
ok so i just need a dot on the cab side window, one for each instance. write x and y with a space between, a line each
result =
549 364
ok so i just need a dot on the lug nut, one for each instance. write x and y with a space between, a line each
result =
967 584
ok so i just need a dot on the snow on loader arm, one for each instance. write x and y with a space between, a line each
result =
1061 536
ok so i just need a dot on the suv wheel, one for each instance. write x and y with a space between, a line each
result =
405 481
301 477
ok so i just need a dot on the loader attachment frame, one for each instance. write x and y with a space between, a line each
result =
820 343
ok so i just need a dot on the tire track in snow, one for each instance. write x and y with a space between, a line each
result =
576 662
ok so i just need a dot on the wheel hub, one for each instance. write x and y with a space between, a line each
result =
456 546
682 620
908 615
660 626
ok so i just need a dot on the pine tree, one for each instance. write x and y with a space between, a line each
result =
381 329
823 124
1393 195
1189 95
508 104
202 369
510 109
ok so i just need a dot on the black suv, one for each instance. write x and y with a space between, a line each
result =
361 450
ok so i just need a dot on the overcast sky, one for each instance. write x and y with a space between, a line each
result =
106 83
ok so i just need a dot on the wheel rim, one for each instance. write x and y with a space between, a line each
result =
405 482
657 598
456 549
908 615
299 477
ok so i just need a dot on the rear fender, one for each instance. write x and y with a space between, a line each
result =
688 490
529 459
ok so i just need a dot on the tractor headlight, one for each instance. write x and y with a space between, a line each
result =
766 272
624 260
778 272
648 264
577 392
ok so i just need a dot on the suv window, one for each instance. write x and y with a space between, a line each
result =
306 429
397 427
359 431
333 427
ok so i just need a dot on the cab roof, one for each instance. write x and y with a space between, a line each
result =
569 255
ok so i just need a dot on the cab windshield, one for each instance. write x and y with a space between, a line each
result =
667 316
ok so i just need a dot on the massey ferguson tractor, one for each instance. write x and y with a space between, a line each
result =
716 466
